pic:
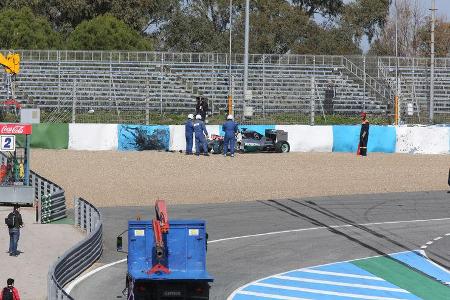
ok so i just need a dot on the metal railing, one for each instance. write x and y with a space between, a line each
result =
145 87
50 198
371 82
80 257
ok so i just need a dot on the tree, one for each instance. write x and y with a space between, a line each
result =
65 15
185 33
324 7
21 29
410 18
364 17
277 26
414 33
106 33
441 38
327 41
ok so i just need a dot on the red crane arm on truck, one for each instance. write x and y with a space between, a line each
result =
160 227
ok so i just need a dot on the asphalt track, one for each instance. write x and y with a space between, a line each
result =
316 231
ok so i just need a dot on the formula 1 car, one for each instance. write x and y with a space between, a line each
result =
252 141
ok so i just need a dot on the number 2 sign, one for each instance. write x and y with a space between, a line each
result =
8 143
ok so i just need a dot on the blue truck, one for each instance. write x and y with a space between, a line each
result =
167 259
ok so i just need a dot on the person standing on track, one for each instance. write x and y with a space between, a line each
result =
363 135
200 136
189 132
231 129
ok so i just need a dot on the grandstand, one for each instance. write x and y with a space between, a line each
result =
62 82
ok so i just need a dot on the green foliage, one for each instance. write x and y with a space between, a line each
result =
324 7
326 41
21 29
106 33
186 33
365 17
277 26
441 38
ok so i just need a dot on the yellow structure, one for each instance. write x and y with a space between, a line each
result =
11 63
396 111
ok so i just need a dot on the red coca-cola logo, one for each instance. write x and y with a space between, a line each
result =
15 129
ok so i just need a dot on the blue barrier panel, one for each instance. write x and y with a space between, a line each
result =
346 138
258 128
381 138
141 137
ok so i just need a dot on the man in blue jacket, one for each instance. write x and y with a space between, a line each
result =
189 130
200 134
231 129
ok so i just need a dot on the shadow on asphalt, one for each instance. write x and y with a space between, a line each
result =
324 211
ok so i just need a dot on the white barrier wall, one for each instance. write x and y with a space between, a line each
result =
422 140
178 139
93 136
304 138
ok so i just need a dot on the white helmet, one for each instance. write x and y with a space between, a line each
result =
198 117
230 117
191 116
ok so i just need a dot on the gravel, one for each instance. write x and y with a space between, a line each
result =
112 178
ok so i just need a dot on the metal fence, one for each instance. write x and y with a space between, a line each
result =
158 87
76 260
51 200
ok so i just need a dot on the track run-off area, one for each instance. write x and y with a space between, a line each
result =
345 247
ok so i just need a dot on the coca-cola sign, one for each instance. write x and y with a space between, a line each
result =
15 129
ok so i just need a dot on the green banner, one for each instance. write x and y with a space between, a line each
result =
48 136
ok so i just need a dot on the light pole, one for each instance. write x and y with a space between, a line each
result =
230 79
397 85
433 18
247 29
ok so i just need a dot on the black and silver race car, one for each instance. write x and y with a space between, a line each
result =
252 141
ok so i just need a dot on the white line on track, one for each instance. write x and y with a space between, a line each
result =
74 283
308 290
341 274
83 277
279 297
238 290
429 243
337 283
424 254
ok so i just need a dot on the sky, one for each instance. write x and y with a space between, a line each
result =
442 6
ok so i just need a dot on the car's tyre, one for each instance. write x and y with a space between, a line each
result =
218 147
282 147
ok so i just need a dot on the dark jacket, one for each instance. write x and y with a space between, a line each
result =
201 108
17 219
364 133
15 293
